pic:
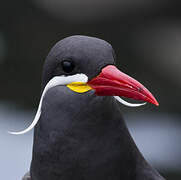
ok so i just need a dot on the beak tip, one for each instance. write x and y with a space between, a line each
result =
155 102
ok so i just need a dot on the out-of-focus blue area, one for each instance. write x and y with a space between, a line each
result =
15 151
156 135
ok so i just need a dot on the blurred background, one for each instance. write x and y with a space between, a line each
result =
146 36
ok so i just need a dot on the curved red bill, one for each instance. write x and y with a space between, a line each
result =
112 82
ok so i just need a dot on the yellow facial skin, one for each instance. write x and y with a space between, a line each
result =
79 87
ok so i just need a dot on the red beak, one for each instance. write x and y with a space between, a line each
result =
112 82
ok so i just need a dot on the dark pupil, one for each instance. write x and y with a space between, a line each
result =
67 66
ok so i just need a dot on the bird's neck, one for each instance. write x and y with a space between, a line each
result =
88 147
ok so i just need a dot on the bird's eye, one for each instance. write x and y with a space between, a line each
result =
68 66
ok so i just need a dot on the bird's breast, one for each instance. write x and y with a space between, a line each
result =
79 136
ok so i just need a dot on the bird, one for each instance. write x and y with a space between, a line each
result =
79 131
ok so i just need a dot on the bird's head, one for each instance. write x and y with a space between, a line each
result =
84 64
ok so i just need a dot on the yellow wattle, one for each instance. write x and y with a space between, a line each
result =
79 87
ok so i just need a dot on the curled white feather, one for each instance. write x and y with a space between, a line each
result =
127 103
55 81
64 80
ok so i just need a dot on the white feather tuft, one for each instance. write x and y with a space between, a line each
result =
55 81
127 103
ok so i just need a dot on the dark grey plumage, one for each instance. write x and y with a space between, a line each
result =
89 54
83 136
